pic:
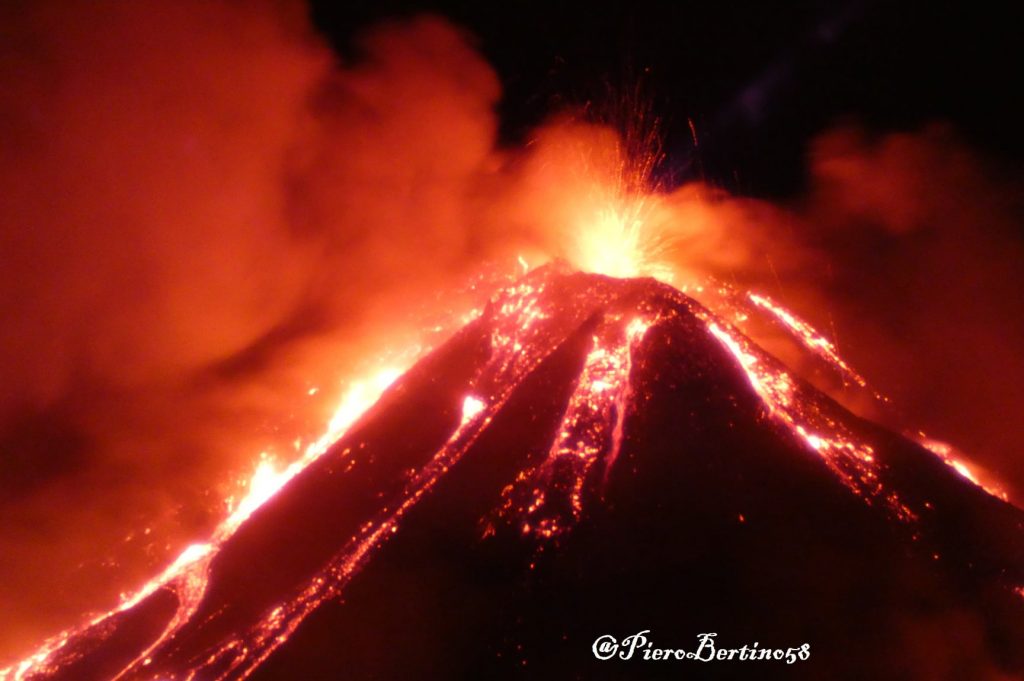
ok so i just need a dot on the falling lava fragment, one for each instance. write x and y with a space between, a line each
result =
589 456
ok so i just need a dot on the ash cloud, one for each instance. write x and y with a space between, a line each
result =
205 212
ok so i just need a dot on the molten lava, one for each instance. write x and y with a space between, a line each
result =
202 627
399 433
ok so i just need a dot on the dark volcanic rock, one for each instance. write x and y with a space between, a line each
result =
698 507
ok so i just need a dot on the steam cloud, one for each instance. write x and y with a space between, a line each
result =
205 213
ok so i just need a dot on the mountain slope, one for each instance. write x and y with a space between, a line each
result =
594 456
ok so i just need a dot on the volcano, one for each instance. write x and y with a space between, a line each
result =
588 459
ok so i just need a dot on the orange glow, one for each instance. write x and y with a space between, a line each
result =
851 461
613 234
471 407
617 241
592 196
266 480
187 574
946 452
543 502
590 432
809 337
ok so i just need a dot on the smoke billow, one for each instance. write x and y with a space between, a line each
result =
205 213
202 209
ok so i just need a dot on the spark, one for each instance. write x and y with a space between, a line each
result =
619 241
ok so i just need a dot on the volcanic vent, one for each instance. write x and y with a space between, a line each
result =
588 456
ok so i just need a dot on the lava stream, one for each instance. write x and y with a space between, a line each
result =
524 324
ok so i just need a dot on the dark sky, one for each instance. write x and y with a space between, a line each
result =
757 79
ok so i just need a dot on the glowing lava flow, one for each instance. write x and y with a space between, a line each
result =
524 324
187 575
522 335
809 337
853 462
821 346
775 386
590 427
242 653
521 338
945 452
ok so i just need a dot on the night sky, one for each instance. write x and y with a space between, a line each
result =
757 79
